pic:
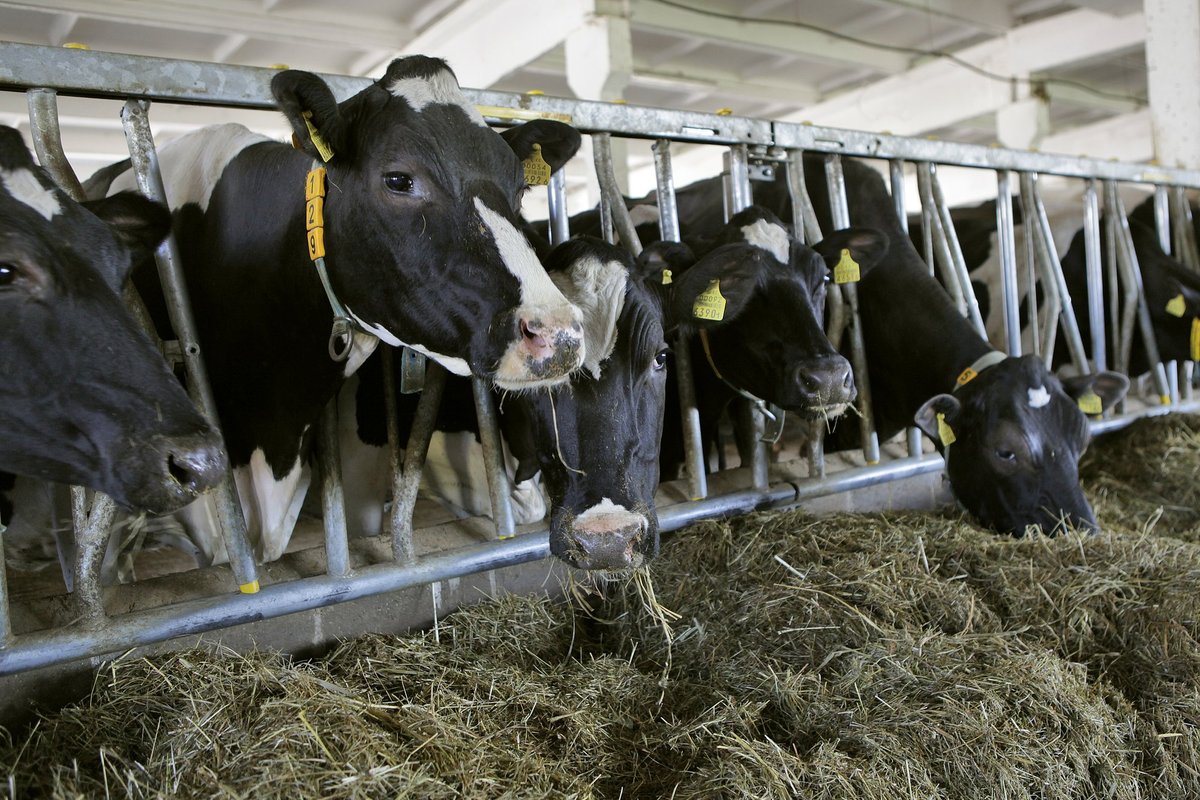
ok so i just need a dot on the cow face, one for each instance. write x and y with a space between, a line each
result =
596 439
421 227
1018 435
766 335
85 397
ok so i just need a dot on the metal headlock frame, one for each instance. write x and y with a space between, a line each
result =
44 72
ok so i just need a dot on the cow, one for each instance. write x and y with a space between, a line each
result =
409 202
1016 430
86 398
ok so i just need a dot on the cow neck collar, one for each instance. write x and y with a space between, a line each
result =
773 415
988 359
341 336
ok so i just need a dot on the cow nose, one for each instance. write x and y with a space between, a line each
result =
194 463
825 381
553 344
607 536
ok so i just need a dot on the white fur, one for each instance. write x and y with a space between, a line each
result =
1039 397
192 164
271 506
597 288
608 516
770 237
456 366
24 186
643 214
438 89
454 472
361 347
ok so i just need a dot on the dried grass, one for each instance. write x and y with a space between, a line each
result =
888 656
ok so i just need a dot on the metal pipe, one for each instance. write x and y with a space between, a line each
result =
144 158
404 490
333 500
91 540
668 225
499 489
737 166
622 222
1006 236
1185 232
1173 381
5 618
937 245
1049 256
1031 330
840 211
556 200
956 256
1189 373
394 526
913 438
1095 275
1162 220
47 141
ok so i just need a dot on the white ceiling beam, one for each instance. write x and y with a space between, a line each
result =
484 40
941 92
760 35
989 17
1078 96
760 87
1125 137
227 19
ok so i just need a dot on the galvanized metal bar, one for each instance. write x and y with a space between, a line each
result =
1162 220
1173 381
937 244
928 218
913 439
668 225
956 255
333 500
1188 368
1119 321
615 197
91 540
47 141
556 199
737 167
136 121
1006 236
1186 249
499 488
394 526
840 211
5 614
1095 275
404 490
1028 245
1045 243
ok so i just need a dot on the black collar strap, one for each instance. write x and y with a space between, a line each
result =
989 359
341 338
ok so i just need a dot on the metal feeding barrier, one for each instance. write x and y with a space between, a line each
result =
753 148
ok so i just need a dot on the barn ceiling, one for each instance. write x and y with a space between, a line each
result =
948 68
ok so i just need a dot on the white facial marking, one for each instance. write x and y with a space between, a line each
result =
438 89
608 516
1039 397
24 186
192 164
515 251
457 366
770 237
597 288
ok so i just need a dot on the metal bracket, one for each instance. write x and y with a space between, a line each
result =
412 371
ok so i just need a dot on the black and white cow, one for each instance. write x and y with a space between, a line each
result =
85 397
1018 431
422 244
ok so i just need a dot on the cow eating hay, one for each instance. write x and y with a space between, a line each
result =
854 656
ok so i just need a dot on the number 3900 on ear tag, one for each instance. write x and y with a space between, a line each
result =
710 304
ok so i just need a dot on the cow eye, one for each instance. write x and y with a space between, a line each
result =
660 359
1006 455
8 274
398 182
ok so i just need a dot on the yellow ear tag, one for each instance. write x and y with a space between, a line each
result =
945 432
1091 404
537 171
710 304
1176 306
846 270
1195 338
322 146
666 277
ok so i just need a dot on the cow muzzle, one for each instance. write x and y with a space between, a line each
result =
549 346
607 537
178 469
823 386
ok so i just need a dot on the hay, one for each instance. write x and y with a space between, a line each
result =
854 656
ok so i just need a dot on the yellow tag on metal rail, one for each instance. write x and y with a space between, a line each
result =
1176 306
847 270
945 432
710 304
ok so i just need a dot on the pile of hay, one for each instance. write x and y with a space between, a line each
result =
854 656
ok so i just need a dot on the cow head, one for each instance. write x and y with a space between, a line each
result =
421 225
759 299
85 397
596 439
1017 434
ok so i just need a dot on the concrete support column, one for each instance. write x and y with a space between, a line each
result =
1173 77
1024 122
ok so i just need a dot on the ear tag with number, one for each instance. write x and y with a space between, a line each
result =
666 277
537 171
710 304
945 432
1091 404
318 141
1196 339
846 270
1176 306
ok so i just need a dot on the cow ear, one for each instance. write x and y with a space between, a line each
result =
927 416
558 140
318 127
14 152
138 222
662 263
865 246
717 289
1110 387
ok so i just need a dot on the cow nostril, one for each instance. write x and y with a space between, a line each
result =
530 333
181 473
847 380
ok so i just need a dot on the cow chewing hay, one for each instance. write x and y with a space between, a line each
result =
896 655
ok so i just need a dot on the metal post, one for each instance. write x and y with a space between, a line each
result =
404 489
956 256
668 225
612 194
1162 220
1173 381
5 619
1008 260
91 540
556 198
47 141
136 121
1095 275
499 488
913 436
1185 249
333 501
937 246
840 210
393 526
1044 237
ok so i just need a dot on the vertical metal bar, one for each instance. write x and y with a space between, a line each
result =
333 501
938 248
668 224
5 616
1185 232
1095 275
1173 381
1189 371
404 491
556 199
1162 220
1120 358
611 191
836 179
1049 256
1006 235
913 438
91 540
1029 275
956 256
395 447
499 488
737 164
47 141
144 157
